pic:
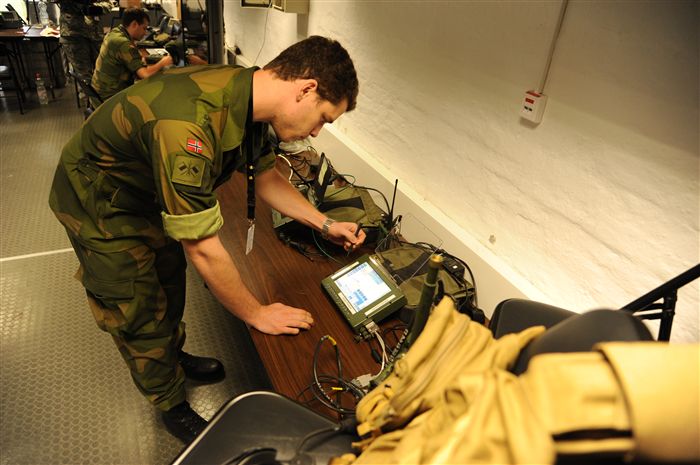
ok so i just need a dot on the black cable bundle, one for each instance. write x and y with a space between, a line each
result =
341 385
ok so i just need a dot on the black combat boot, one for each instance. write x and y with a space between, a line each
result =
183 422
202 369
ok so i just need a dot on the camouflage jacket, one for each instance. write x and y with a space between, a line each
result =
148 160
74 23
116 64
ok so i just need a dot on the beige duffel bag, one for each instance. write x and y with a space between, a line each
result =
635 400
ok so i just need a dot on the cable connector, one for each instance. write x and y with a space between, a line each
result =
362 381
372 327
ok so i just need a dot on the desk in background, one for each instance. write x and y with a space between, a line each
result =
21 40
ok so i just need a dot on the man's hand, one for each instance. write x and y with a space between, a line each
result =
148 71
215 265
278 318
346 234
283 197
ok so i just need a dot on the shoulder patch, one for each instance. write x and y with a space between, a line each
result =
188 171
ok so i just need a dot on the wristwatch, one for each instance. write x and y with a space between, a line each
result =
326 226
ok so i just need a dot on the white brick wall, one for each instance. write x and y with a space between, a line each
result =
592 208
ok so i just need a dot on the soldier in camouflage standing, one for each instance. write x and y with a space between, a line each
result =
81 35
134 189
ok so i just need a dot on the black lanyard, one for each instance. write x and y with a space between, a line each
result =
250 137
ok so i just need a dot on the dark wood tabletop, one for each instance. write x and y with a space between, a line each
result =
275 272
33 33
17 34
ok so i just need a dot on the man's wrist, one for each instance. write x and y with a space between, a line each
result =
326 227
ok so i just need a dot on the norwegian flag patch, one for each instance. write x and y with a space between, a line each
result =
194 145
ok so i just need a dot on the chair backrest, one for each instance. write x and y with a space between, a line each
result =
580 333
86 86
515 315
567 331
163 23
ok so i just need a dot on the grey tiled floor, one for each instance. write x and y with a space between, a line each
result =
66 397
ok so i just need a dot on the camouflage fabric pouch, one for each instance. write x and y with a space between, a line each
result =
355 205
408 264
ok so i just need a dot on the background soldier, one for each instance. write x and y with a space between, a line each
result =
81 35
134 188
120 61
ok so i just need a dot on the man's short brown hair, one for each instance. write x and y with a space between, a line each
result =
324 60
134 14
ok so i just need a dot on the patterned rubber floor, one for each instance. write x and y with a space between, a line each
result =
66 396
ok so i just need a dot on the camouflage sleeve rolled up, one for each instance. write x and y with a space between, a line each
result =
185 175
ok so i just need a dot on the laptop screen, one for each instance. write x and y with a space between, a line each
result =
361 286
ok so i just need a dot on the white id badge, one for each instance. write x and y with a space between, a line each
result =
249 239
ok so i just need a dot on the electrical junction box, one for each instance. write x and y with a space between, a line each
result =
533 106
291 6
286 6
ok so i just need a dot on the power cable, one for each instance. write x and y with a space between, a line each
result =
267 16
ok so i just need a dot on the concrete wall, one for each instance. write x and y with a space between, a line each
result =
593 207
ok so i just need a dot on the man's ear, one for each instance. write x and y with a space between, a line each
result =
306 87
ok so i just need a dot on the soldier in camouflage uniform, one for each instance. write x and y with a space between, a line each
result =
81 35
119 60
135 187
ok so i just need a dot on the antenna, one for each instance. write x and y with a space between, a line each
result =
393 199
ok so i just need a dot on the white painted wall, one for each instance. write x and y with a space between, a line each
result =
171 8
592 208
19 5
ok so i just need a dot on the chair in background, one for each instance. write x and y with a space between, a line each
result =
8 74
88 90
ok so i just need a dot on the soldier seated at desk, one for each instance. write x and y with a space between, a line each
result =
119 61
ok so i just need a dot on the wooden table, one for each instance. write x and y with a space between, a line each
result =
50 46
276 273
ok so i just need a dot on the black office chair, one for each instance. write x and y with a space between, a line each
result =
88 90
8 74
163 23
266 428
567 331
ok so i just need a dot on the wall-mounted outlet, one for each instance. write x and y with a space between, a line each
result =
533 106
291 6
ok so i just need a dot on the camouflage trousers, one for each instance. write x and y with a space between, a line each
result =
138 297
81 54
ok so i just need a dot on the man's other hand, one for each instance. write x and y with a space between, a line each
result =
278 318
346 234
